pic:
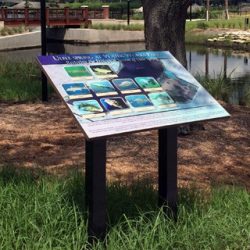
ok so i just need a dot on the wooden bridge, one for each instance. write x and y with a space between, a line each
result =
54 17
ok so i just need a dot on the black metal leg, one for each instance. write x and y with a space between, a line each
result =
168 170
44 88
44 48
96 188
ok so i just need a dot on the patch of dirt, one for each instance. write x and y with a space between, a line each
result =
46 137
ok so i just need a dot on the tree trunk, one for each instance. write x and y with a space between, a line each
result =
226 10
165 26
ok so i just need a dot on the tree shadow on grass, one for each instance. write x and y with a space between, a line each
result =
123 201
131 201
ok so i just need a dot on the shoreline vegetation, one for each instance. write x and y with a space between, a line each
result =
198 32
201 32
20 82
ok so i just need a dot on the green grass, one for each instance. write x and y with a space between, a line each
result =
197 38
132 27
192 37
221 87
41 212
13 30
19 90
233 23
218 86
20 81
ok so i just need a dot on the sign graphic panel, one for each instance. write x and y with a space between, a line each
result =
115 93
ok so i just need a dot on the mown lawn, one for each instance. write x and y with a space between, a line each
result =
236 22
44 212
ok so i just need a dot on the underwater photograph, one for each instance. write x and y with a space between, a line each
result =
148 83
181 91
78 71
161 99
87 107
126 85
139 101
103 71
76 90
102 87
114 103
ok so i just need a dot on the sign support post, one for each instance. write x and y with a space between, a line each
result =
95 181
44 48
128 12
167 167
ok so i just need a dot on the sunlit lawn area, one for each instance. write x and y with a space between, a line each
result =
41 212
235 22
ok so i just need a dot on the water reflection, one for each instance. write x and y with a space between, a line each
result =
211 62
216 63
202 61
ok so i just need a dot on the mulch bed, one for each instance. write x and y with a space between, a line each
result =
45 137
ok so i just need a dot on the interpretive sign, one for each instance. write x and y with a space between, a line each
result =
115 93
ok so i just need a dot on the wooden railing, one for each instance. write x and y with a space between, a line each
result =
54 17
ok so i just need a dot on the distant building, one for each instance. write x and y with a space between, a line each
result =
244 8
195 8
22 4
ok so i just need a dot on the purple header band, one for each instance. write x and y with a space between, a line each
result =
102 57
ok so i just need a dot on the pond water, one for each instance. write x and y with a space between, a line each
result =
202 61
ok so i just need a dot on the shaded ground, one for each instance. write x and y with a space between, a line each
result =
44 136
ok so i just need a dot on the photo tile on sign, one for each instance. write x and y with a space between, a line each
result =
126 85
148 83
139 102
88 108
76 90
102 87
161 99
103 71
115 105
78 72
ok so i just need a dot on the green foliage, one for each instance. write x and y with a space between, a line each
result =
214 14
193 38
218 86
136 16
113 6
12 30
19 90
22 69
202 25
235 23
102 26
241 85
3 32
42 212
20 81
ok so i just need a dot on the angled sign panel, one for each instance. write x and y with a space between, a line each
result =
116 93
